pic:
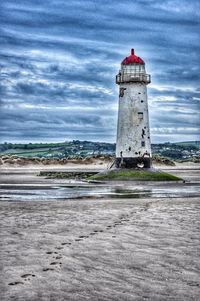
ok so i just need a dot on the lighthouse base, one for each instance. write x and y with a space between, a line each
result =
133 162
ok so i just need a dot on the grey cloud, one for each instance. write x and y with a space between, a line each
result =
49 46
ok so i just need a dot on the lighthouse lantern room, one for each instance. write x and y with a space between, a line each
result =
133 146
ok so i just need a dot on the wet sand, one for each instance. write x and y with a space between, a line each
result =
100 249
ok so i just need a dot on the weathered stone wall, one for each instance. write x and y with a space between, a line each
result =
133 134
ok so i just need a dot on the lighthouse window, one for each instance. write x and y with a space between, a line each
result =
121 92
140 115
143 143
142 101
137 68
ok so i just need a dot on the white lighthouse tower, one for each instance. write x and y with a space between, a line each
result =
133 146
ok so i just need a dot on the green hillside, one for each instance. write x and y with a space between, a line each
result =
184 151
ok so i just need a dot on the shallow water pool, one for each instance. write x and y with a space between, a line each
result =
40 193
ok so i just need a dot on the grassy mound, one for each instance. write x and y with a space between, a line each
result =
134 175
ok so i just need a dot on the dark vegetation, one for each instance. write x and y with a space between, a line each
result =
66 175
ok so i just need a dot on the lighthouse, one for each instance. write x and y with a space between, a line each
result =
133 145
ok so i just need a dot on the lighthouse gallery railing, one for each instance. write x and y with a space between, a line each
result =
133 77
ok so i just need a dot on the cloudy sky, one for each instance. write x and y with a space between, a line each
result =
59 60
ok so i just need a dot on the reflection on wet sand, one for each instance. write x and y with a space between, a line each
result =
38 193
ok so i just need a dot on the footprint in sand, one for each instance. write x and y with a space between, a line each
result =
15 283
108 227
27 276
193 283
54 257
47 269
83 236
55 263
65 243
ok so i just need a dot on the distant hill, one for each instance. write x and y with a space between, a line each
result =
189 143
81 149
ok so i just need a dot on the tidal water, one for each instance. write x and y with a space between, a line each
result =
56 192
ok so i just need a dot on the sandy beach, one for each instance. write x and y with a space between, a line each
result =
99 248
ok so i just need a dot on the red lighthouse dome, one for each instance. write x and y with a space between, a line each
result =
132 59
